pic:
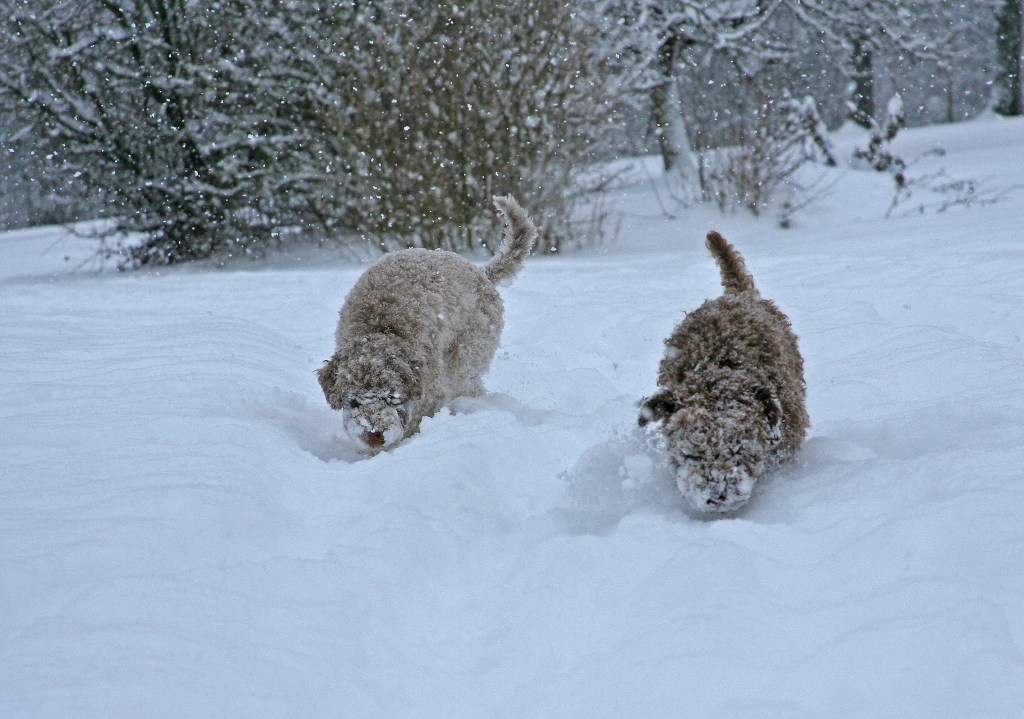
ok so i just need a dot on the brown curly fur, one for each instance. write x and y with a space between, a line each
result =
732 397
419 328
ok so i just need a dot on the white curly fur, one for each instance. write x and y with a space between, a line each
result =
732 398
419 328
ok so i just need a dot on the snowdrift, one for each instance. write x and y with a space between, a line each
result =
185 531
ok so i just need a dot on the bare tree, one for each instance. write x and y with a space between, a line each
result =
954 82
682 33
1009 53
862 29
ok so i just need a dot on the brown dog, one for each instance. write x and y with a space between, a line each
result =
732 393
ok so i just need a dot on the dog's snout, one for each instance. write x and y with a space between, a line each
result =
373 440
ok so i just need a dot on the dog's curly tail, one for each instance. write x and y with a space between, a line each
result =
520 234
735 277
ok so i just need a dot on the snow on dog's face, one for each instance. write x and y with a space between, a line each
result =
718 449
375 420
718 456
374 391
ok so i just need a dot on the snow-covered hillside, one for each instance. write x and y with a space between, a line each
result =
184 531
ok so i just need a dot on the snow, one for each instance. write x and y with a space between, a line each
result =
184 530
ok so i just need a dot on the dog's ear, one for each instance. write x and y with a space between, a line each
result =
657 408
327 376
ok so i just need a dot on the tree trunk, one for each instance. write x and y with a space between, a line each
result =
862 98
950 98
673 139
665 101
1009 49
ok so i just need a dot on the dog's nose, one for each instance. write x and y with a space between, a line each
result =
374 440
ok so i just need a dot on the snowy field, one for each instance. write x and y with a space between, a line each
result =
184 531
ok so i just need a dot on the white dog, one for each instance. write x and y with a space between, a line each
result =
418 329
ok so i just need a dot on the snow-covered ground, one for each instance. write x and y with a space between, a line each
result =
184 531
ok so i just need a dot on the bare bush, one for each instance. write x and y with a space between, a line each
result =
752 173
878 154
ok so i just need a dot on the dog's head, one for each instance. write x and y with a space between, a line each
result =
376 420
719 448
375 398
